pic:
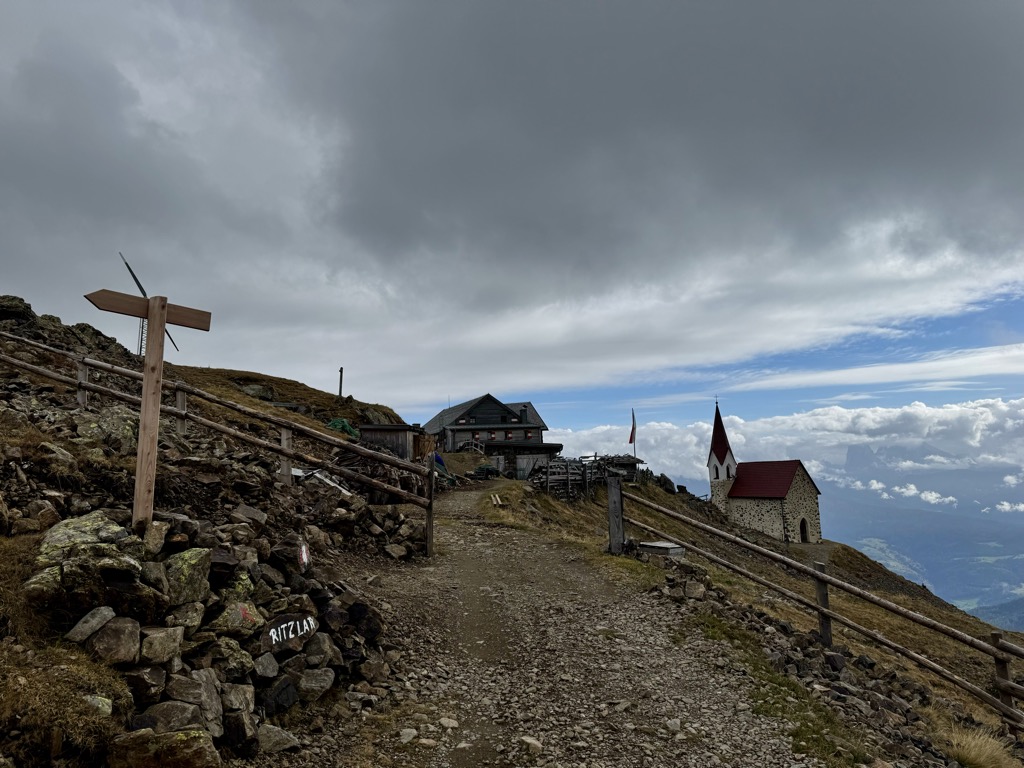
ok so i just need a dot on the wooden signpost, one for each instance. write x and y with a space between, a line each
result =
158 314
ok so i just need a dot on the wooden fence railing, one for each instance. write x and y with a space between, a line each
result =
999 649
288 429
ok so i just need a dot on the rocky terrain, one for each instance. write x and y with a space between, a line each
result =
516 651
259 623
217 619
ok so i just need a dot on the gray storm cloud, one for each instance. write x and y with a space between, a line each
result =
563 177
564 135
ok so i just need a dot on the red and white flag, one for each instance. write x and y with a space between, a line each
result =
632 432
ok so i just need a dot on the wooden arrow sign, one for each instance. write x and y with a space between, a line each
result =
158 313
137 306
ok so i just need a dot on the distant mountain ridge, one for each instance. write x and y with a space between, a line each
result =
1008 615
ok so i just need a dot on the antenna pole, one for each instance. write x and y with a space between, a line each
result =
142 322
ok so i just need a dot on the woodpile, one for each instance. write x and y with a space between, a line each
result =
568 479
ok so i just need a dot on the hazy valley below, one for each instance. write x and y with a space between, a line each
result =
935 519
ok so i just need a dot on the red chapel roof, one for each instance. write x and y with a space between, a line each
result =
765 479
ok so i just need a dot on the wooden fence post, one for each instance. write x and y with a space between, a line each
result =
824 622
1002 672
83 378
149 415
286 463
181 402
616 527
430 504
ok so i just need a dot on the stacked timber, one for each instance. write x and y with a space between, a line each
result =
568 479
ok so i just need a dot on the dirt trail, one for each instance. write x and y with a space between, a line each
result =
509 634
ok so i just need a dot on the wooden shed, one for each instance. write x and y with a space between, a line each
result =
409 442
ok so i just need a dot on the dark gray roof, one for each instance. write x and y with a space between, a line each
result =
449 416
532 417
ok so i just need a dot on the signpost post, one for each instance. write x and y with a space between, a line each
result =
158 313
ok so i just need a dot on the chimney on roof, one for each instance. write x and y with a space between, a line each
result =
522 414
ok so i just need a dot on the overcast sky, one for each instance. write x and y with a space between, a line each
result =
813 210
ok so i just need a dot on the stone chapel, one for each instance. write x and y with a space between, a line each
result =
778 498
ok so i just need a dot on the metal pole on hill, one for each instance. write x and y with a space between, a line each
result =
431 489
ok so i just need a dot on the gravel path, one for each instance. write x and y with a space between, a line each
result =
516 652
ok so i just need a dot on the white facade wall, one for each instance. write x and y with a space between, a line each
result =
720 493
763 515
725 470
802 503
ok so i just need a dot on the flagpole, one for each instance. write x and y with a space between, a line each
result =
632 432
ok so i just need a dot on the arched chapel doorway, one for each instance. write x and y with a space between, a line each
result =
804 536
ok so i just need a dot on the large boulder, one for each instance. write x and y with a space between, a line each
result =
115 426
188 576
161 644
99 574
116 642
170 716
192 748
17 309
93 528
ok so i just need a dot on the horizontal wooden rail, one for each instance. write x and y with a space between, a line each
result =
1003 645
381 458
38 345
337 442
962 637
347 474
1009 711
51 375
1010 687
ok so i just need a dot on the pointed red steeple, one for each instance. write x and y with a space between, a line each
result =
720 447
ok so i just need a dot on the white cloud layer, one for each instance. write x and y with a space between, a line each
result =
988 432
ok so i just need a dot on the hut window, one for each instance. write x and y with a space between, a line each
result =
529 434
492 436
716 472
508 435
728 472
476 435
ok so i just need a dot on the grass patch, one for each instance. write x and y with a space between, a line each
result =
979 748
17 618
814 728
45 695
